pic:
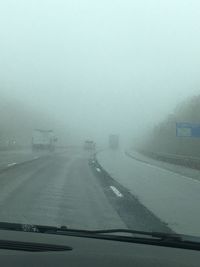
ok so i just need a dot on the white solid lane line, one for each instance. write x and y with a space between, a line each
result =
116 191
12 164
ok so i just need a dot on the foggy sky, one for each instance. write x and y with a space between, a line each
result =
100 67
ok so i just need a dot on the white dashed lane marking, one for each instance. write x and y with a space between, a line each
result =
98 169
116 191
12 164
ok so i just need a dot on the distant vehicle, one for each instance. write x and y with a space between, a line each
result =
89 145
43 140
114 141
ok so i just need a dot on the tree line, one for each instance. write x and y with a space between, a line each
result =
163 139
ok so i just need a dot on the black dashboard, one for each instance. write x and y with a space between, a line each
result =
82 251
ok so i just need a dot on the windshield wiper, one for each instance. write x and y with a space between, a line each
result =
65 230
123 235
134 236
136 233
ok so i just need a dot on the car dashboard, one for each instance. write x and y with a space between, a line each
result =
63 250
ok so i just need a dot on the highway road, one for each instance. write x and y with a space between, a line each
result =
171 193
64 189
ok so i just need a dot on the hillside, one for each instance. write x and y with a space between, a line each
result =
163 138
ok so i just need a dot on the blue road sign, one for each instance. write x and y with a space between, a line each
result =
186 129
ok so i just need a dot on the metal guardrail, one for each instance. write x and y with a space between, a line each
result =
183 160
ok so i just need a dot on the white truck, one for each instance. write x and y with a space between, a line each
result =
43 140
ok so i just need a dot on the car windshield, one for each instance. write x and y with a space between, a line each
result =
100 114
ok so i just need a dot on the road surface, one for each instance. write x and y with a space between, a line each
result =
64 189
167 193
10 158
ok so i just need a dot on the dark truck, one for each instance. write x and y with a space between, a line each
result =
114 141
89 145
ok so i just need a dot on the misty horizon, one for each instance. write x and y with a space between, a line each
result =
100 67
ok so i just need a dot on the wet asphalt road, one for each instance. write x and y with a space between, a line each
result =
63 189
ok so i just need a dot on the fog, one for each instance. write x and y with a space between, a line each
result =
100 67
